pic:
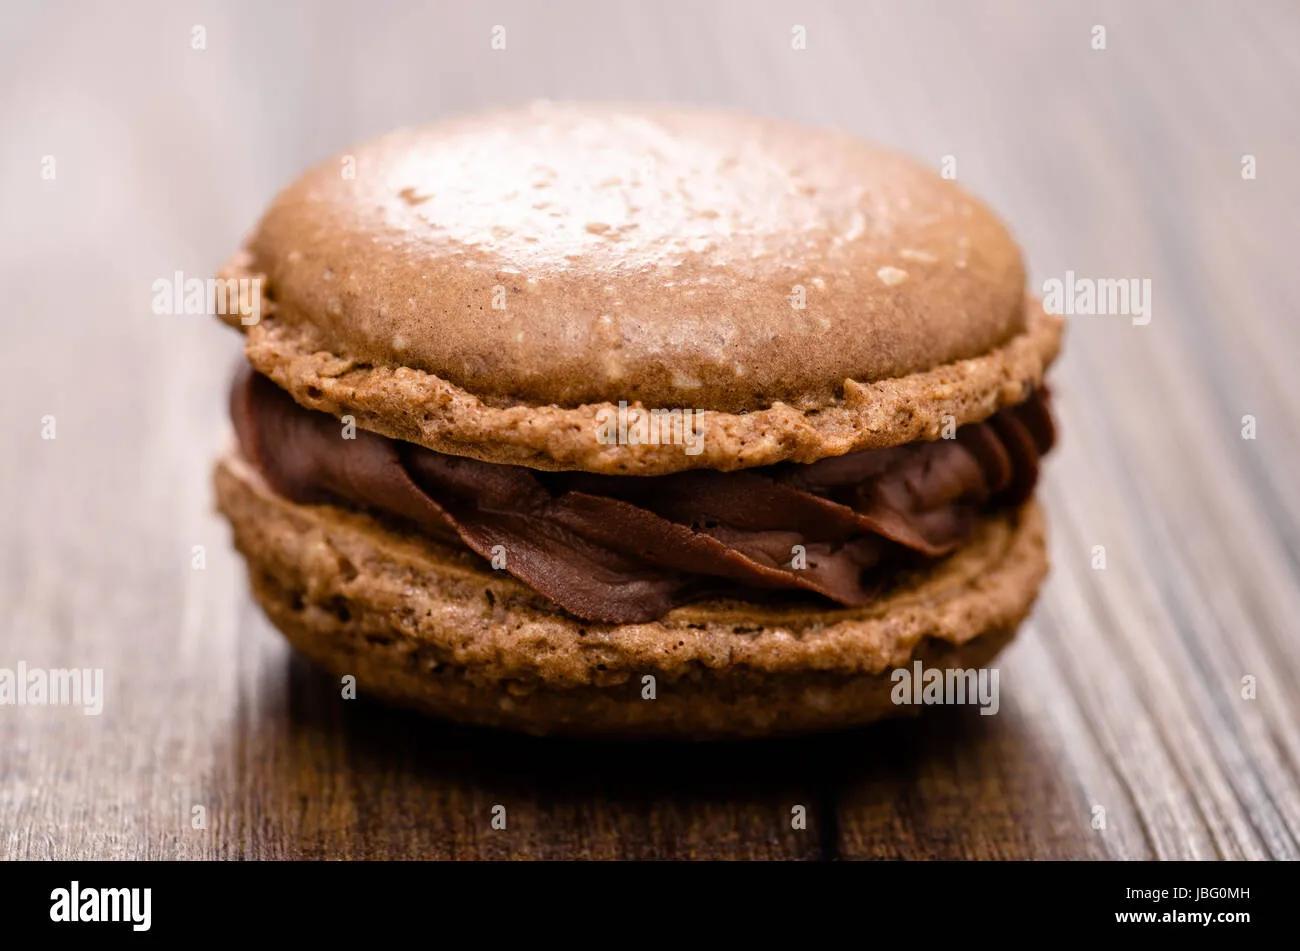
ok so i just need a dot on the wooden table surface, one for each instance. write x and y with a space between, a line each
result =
1122 699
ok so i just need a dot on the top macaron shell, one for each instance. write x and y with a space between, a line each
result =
565 254
494 286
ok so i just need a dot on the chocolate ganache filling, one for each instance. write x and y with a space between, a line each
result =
625 549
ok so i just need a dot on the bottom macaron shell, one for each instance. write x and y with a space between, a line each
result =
428 626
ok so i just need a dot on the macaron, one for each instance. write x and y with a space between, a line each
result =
635 421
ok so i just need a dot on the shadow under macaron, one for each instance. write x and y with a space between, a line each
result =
327 777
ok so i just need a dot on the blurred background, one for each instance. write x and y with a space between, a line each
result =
170 125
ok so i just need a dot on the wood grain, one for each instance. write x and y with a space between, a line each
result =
1122 697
